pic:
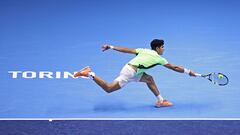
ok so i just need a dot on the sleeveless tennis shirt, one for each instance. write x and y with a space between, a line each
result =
146 59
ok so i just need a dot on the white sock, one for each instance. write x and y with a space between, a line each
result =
91 75
160 98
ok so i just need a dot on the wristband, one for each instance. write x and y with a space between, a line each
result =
187 71
111 47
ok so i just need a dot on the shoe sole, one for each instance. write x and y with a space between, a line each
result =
79 72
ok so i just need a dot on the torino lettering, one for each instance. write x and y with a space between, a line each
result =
41 74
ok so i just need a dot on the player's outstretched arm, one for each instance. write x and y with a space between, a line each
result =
118 48
179 69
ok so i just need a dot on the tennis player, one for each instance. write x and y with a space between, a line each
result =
135 70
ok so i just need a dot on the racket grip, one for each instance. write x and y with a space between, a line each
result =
199 75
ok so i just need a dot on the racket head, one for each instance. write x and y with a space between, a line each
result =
218 78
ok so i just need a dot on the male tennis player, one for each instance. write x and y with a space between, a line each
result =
135 69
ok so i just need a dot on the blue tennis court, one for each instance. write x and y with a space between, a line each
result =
42 43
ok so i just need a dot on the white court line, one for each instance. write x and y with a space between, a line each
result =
131 119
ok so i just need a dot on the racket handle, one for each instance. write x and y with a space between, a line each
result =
199 75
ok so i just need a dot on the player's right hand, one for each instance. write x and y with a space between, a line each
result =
192 73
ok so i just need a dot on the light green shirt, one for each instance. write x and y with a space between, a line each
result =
146 59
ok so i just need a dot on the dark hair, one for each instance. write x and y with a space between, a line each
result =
156 43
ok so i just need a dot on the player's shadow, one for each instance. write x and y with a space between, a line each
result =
109 108
120 107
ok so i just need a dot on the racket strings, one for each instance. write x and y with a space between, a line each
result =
219 78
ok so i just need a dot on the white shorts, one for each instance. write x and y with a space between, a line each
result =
127 74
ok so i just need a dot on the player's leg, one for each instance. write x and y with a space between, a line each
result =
105 86
87 73
148 79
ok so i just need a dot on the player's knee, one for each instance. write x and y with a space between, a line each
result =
108 89
149 79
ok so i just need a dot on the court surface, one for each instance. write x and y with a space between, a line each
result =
56 37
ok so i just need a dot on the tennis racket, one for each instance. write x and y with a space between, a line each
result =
216 78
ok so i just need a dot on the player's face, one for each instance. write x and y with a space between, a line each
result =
160 50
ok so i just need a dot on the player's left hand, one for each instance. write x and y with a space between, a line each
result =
105 47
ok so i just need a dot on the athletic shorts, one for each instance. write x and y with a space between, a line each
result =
127 74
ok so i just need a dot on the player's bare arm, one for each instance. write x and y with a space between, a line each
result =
118 48
179 69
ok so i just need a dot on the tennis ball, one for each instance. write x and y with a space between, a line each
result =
220 76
